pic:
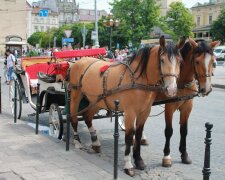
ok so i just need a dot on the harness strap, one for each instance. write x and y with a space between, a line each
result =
120 89
82 75
186 85
104 87
175 99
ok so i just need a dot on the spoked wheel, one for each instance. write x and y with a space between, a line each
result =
121 123
12 98
55 121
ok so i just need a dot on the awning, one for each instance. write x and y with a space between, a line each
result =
15 43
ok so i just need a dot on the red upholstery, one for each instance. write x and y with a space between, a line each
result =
54 68
80 53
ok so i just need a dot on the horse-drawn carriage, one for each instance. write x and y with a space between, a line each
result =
147 78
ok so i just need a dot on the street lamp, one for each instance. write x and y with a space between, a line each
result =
110 22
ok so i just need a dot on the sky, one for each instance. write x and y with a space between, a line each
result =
103 4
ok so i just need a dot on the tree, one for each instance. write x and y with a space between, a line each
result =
178 21
35 38
218 28
137 18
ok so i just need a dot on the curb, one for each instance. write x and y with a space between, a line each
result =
218 86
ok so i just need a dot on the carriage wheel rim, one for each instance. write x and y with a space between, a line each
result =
54 121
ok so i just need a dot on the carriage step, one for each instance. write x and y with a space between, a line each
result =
33 114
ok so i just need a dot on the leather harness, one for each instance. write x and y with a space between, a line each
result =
120 87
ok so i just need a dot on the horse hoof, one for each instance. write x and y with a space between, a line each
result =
97 149
186 159
166 162
144 142
77 144
129 172
139 164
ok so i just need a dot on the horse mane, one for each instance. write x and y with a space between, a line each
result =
143 54
185 50
171 50
203 47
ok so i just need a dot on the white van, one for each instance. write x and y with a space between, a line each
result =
219 52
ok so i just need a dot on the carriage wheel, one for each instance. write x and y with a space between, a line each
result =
55 121
121 123
11 98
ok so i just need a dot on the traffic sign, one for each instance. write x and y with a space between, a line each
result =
43 13
68 33
67 40
93 35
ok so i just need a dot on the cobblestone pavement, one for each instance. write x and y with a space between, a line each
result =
45 157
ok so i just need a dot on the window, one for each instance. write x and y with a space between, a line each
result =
42 28
36 28
210 19
198 21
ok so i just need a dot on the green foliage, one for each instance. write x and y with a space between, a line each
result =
34 38
218 27
137 18
178 21
32 53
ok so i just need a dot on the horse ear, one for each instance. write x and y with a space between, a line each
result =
162 42
193 43
214 44
182 42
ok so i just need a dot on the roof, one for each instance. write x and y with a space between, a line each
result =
203 5
15 43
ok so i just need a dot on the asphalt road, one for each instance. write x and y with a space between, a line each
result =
207 109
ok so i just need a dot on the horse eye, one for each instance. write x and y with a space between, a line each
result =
197 62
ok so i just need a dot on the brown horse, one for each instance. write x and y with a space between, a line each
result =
197 65
146 73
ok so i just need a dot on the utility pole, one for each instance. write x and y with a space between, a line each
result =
96 26
84 33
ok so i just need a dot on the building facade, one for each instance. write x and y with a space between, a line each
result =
43 24
14 21
68 11
204 15
165 5
88 15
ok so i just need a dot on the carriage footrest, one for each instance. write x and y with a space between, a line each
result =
46 77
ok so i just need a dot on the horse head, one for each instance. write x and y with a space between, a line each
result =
203 59
169 63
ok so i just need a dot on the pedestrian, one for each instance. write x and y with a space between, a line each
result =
11 62
16 53
5 69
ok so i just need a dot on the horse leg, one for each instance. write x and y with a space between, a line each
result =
184 115
88 116
76 96
144 140
129 132
139 163
166 162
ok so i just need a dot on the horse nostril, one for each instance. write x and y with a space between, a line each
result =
202 90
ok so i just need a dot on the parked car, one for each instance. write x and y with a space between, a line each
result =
219 52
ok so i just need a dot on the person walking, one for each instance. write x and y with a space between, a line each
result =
11 62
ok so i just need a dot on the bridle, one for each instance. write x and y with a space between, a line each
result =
199 76
162 76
